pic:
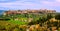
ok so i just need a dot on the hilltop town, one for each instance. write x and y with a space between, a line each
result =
42 11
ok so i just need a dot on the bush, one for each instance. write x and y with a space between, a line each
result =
49 16
57 16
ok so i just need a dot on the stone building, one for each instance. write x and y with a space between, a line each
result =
28 11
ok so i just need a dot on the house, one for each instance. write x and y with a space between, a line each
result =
28 11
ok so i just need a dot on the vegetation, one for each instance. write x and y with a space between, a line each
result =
20 22
57 16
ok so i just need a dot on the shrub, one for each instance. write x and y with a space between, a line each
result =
57 16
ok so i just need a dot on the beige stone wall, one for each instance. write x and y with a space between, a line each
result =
29 11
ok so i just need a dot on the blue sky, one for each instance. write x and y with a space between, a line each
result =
30 4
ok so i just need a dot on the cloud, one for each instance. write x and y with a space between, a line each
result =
57 0
6 1
54 3
3 0
17 5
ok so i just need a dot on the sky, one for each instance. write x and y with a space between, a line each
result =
30 4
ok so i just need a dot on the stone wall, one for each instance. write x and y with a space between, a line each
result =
29 11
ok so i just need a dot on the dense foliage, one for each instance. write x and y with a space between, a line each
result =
57 16
16 22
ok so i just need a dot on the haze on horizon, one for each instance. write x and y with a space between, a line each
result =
30 4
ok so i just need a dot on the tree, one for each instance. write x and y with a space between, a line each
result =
57 16
49 16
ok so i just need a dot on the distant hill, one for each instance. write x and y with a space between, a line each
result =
1 11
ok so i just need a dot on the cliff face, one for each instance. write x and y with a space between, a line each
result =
28 11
